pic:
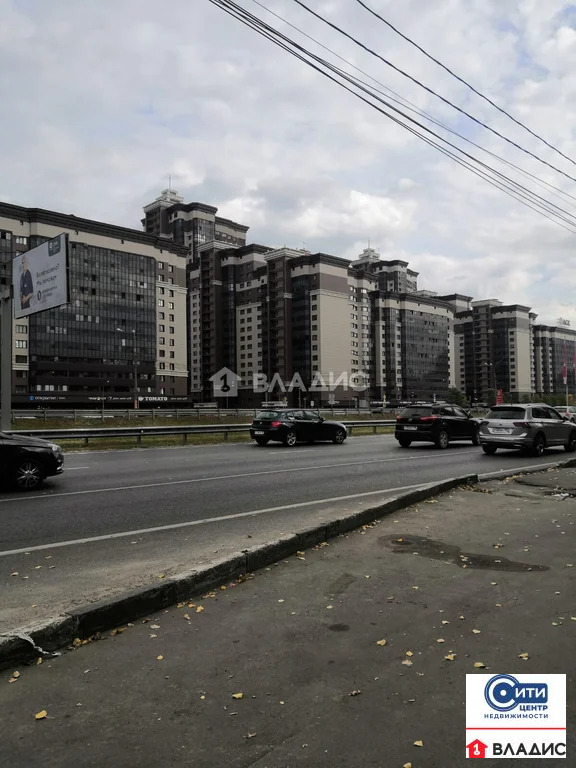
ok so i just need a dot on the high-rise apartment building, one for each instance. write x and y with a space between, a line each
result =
291 316
554 348
494 347
190 224
122 334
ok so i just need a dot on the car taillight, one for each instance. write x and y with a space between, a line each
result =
522 424
428 418
276 423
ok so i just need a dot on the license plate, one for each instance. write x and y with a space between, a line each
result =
498 431
259 433
410 427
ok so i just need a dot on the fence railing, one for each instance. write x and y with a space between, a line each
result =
141 432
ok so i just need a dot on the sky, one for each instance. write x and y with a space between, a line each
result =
103 100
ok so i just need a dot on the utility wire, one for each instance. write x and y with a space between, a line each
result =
406 104
517 191
434 93
464 82
255 23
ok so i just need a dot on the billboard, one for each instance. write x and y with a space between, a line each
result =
40 278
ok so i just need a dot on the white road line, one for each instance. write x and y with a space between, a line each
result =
216 477
69 469
175 526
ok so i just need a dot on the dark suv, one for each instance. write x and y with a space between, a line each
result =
435 423
26 461
293 425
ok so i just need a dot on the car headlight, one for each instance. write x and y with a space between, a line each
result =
55 448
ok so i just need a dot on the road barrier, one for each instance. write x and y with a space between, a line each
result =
74 414
139 432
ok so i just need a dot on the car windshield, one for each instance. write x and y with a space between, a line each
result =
505 413
416 411
268 415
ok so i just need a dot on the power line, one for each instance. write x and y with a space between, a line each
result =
464 82
398 99
517 191
433 92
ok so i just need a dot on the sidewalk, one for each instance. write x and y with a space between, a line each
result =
299 641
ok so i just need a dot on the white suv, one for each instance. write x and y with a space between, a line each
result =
532 427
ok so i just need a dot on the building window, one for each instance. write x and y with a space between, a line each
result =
160 265
162 340
161 315
162 366
171 366
161 328
160 302
170 305
171 318
21 344
21 329
171 329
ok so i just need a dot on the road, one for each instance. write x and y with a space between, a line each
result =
93 523
474 578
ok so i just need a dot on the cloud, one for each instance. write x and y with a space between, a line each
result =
103 106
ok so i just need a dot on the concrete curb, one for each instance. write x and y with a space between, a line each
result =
18 647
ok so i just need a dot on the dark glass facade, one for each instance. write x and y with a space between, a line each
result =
77 347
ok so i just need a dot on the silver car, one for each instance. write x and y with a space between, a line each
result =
532 427
568 411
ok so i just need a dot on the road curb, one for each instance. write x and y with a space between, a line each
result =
17 647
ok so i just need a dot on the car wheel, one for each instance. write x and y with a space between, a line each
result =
489 449
29 475
539 445
570 446
339 437
475 439
290 438
404 442
442 440
261 440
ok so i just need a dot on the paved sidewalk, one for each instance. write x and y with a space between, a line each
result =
299 641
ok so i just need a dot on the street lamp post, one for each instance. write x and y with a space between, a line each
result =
134 365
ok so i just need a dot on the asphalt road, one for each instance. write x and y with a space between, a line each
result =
117 519
476 577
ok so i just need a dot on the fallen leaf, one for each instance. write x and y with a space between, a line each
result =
14 574
498 605
523 656
159 658
237 695
461 618
354 693
479 665
407 663
445 622
407 765
573 618
39 660
494 583
40 715
329 607
199 608
415 587
187 617
409 653
476 631
36 567
381 642
450 656
419 743
16 675
280 601
440 640
202 697
249 735
153 635
154 626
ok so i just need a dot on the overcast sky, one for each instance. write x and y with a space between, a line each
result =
101 100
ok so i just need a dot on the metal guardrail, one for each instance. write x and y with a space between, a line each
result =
45 414
139 432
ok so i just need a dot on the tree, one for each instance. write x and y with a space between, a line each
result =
457 397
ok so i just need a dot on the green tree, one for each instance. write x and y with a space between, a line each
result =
457 397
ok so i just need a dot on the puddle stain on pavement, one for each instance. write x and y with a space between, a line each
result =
438 550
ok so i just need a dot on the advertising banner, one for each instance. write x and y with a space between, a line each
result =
40 277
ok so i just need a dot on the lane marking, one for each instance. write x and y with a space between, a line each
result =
69 469
188 524
216 477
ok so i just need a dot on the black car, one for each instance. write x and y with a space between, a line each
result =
435 423
293 425
26 461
